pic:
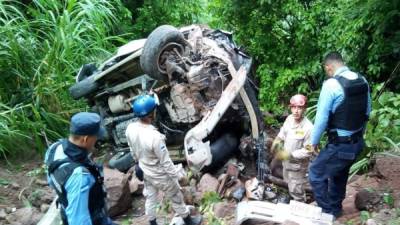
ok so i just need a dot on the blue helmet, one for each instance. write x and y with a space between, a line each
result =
144 105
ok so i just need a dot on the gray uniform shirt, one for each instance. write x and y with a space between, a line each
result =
148 147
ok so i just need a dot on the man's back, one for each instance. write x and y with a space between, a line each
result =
149 149
77 186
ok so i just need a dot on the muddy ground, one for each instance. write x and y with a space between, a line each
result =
25 196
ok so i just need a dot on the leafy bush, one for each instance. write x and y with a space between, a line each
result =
43 44
383 128
147 15
289 38
384 125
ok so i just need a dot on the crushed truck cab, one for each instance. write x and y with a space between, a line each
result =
207 94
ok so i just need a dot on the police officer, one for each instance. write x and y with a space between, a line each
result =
295 134
343 108
77 180
159 173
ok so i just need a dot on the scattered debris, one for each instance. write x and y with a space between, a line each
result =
367 199
229 179
254 189
385 216
302 213
41 182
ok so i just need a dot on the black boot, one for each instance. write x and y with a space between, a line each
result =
153 222
193 220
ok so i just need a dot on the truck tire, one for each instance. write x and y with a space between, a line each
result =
121 161
155 45
83 88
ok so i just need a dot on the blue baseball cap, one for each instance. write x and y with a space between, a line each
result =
86 123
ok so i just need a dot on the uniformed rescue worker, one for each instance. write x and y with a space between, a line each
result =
77 180
343 108
160 174
295 134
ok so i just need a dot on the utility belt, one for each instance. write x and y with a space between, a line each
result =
334 138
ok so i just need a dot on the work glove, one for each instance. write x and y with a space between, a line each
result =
301 154
277 145
283 155
313 150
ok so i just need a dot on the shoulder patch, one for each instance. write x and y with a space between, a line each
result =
163 147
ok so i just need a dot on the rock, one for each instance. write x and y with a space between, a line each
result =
24 216
44 207
358 183
348 203
207 183
41 196
389 168
48 195
15 186
41 182
135 185
367 199
371 222
224 209
118 193
9 210
3 214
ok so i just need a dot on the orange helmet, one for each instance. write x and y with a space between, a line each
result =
298 100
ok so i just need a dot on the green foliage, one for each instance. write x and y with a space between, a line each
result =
43 44
289 38
383 128
40 171
388 199
364 216
4 181
206 208
208 200
126 221
384 124
148 15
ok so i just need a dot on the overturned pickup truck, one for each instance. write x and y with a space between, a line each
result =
208 100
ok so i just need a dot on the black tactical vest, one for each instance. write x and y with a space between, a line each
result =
60 170
351 113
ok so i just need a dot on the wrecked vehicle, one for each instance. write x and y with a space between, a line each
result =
208 100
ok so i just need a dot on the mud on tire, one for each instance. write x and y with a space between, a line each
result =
154 48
